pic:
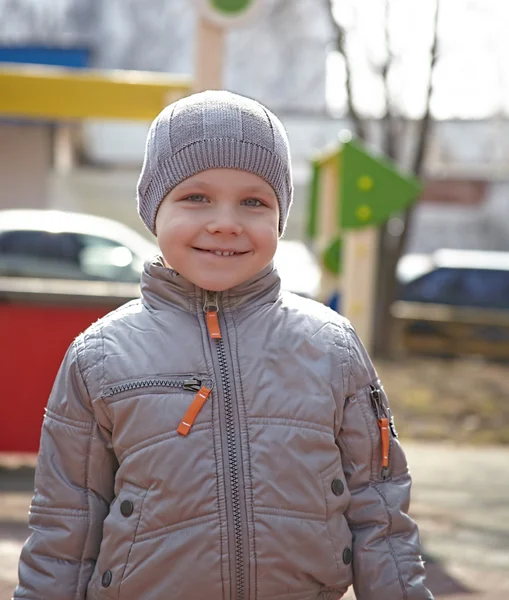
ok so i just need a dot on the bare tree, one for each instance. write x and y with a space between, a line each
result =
391 245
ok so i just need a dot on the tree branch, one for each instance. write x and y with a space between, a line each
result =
390 146
417 166
340 46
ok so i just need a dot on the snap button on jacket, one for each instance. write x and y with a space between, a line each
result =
245 465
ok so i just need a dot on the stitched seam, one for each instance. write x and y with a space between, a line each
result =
288 513
103 360
81 425
327 526
194 522
342 347
85 368
250 472
273 510
93 332
389 543
158 439
87 466
106 410
346 360
79 348
290 595
147 306
324 326
283 422
50 510
351 376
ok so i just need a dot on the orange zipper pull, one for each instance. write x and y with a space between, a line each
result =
211 310
213 324
383 425
193 410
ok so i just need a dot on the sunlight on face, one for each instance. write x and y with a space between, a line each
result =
219 227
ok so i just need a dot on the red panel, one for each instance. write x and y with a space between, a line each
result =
33 342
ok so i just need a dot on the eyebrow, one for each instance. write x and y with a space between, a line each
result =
258 189
252 189
184 185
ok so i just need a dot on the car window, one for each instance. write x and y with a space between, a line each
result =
66 255
39 254
102 258
485 288
440 287
481 288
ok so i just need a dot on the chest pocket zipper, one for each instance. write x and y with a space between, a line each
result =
188 385
385 425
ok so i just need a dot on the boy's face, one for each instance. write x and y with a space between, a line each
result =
219 210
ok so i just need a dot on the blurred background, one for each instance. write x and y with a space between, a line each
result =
423 84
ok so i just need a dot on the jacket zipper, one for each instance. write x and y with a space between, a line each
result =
211 309
384 424
190 385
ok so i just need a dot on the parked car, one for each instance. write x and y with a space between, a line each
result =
454 302
74 246
64 245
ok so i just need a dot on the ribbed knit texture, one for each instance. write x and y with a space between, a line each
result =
213 129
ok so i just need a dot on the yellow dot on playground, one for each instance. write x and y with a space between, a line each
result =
365 183
361 251
363 213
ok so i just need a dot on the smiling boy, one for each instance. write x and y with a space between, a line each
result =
219 438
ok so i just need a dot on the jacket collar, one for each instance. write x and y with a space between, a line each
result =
162 287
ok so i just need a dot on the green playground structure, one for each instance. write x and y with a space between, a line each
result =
353 192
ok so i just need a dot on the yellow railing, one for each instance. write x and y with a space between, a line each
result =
59 93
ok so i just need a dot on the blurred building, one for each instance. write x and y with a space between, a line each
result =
279 60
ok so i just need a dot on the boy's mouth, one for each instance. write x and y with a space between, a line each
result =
221 252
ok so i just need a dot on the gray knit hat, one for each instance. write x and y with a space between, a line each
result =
213 129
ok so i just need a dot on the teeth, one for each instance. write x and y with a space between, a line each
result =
218 253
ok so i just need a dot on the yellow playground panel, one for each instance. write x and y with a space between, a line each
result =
60 93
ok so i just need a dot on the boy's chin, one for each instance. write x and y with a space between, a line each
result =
215 284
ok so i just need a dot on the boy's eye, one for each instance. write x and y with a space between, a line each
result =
196 198
253 202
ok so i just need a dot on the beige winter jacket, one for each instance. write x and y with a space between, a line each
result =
271 486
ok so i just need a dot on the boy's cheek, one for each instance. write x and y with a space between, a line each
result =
162 211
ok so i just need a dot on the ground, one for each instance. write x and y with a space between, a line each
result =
460 400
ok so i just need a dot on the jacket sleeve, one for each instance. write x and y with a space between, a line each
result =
387 563
73 489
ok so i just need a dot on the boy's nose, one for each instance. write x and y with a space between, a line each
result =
224 221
